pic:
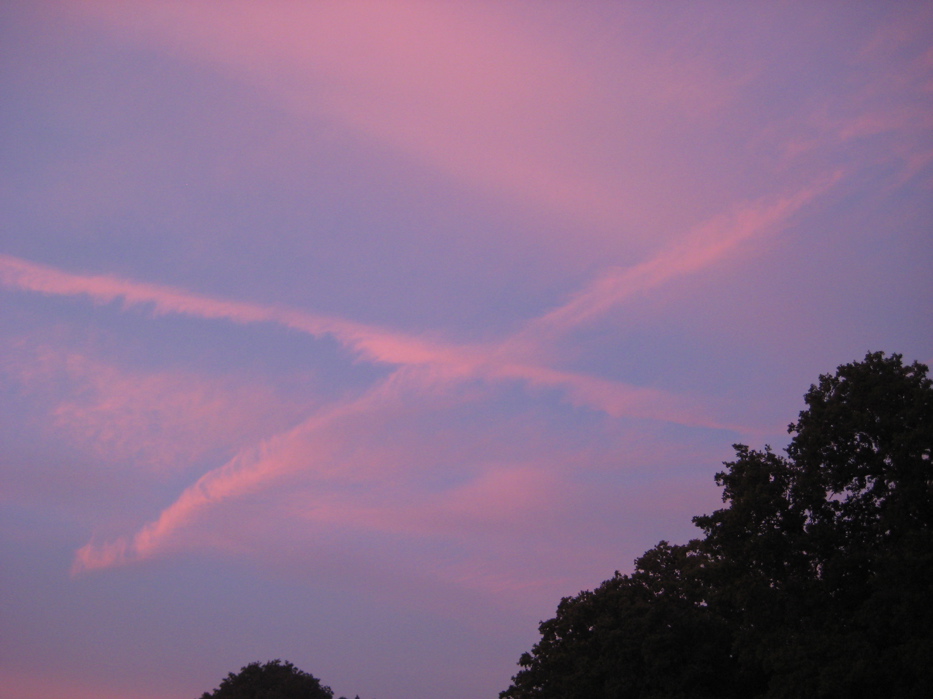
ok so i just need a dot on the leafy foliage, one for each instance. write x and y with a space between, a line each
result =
815 580
272 680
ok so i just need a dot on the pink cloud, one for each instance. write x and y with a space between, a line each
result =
421 363
305 446
470 90
600 185
357 467
618 399
164 421
884 114
500 495
250 468
373 343
517 529
705 245
440 361
358 443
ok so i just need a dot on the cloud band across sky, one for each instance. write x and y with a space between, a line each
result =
331 330
255 466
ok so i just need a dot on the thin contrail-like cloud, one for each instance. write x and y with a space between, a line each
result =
492 362
242 474
373 343
705 245
507 360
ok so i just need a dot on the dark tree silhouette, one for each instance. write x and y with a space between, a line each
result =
644 635
815 580
272 680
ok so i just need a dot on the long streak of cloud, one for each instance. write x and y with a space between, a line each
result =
244 473
370 343
253 467
704 246
373 343
241 475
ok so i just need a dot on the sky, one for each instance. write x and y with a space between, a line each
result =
360 334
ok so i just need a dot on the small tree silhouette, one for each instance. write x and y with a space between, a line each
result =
272 680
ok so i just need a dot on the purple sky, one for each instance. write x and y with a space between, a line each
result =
358 334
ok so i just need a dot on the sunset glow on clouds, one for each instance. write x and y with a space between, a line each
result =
360 334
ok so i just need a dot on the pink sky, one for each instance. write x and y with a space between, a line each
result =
360 334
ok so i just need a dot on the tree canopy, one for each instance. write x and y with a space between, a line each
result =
271 680
815 579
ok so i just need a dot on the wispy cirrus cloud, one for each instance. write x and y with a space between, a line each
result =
702 247
404 320
516 358
373 343
163 421
470 91
251 468
336 452
508 359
